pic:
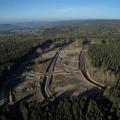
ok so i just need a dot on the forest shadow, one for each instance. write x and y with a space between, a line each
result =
20 65
92 93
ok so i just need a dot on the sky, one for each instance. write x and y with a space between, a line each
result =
52 10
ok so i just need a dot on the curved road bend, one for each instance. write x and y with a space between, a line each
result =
49 78
83 67
45 87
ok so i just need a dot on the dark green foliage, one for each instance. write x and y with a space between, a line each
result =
67 109
75 108
106 55
93 112
113 94
23 111
14 47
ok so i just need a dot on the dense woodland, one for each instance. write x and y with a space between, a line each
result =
14 47
106 55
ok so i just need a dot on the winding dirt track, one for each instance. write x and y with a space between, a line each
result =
84 70
47 79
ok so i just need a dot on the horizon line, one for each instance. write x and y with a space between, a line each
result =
59 20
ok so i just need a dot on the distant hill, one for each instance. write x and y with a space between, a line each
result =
11 28
45 24
48 24
7 26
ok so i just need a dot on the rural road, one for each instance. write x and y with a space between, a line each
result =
45 87
84 70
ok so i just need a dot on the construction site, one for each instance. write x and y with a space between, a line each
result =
62 74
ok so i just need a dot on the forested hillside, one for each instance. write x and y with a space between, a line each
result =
106 55
13 47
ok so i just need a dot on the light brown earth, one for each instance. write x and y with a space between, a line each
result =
72 82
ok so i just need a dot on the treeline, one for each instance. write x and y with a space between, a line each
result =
106 55
80 108
67 109
104 106
97 31
16 46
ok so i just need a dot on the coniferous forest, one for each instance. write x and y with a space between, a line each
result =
107 55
